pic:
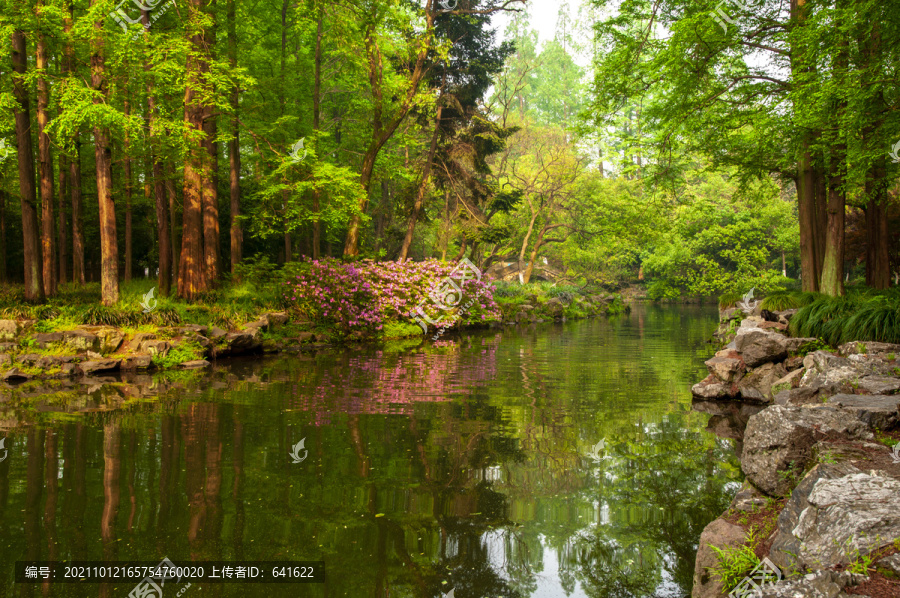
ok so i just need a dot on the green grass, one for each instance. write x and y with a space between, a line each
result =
735 562
727 300
782 300
861 315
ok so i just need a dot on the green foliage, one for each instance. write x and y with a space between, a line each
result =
782 300
660 290
727 300
858 316
181 352
734 563
812 346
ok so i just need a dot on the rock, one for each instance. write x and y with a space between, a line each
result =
81 340
70 369
306 337
94 355
756 386
44 339
869 348
711 388
792 363
794 344
877 411
778 442
240 342
5 358
820 584
275 319
99 365
720 534
27 358
193 329
788 381
196 363
110 338
825 369
787 314
836 511
271 345
748 499
775 325
8 346
54 361
216 333
758 347
257 324
727 366
555 306
155 347
891 563
799 396
9 330
137 362
880 385
15 374
140 337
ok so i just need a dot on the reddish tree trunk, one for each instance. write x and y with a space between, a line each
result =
234 148
77 225
45 160
109 251
61 237
34 285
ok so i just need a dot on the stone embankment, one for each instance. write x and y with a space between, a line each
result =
813 430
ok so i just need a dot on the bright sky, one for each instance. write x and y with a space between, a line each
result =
542 14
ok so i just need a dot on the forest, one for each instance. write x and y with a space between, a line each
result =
691 148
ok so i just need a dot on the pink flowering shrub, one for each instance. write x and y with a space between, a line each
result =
367 294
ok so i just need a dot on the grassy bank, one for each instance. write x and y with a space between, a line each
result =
863 314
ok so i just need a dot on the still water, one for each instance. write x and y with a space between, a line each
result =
473 465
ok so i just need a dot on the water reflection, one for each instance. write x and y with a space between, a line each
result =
457 465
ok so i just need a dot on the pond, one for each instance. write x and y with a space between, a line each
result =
551 460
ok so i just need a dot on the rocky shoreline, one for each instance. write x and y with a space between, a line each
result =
84 352
813 429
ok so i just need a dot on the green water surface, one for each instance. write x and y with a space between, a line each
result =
469 465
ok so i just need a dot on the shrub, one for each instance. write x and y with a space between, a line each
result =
727 300
782 300
367 294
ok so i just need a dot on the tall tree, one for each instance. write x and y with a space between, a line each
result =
210 170
234 145
34 286
45 159
109 250
192 279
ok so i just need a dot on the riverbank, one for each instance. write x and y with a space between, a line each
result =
54 345
817 430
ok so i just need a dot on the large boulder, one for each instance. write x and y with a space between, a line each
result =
758 347
835 512
756 386
799 396
820 584
45 339
722 535
727 365
879 385
877 411
99 365
9 330
824 369
881 350
778 442
81 340
713 389
787 382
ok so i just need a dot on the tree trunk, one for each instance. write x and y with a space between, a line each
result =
211 176
234 147
45 160
126 166
163 240
173 221
806 205
77 224
317 99
109 251
3 273
34 285
832 282
61 236
422 188
191 270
